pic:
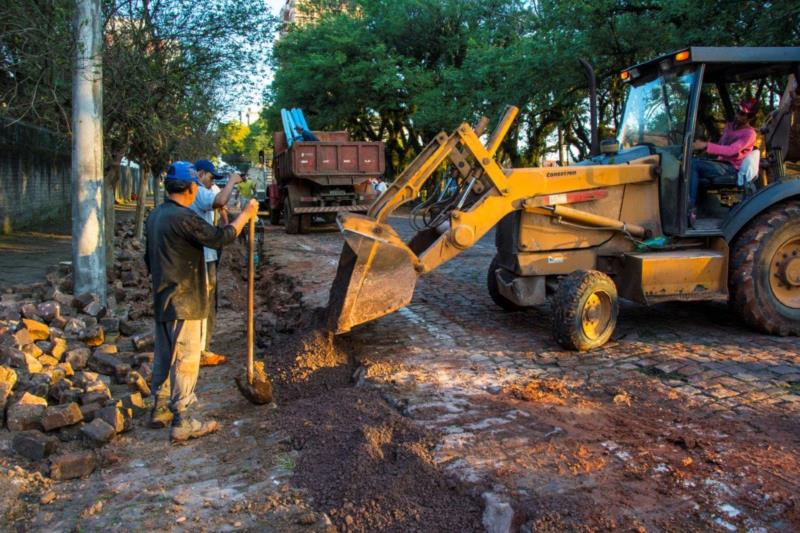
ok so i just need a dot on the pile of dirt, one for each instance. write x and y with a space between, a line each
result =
308 362
370 469
551 391
365 466
301 355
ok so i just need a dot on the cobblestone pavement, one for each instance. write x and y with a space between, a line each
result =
685 419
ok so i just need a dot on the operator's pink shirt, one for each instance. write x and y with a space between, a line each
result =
734 144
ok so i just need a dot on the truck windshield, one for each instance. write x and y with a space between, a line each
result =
655 112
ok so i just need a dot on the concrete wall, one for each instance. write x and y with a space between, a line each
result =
34 177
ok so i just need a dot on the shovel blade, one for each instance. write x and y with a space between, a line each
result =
375 277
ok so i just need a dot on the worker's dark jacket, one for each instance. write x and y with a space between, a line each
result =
174 257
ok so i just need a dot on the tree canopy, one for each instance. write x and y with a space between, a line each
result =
402 70
170 69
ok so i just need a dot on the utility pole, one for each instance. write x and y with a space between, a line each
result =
88 222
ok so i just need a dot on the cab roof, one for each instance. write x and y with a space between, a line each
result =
730 64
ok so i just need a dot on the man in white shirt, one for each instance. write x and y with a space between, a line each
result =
210 198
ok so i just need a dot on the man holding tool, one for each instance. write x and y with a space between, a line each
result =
210 198
174 257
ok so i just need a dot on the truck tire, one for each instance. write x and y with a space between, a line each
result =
585 309
275 216
764 273
291 222
491 283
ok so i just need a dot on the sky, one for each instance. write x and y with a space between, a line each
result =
252 105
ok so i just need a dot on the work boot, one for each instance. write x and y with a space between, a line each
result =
160 415
184 428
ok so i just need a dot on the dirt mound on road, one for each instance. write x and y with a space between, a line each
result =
301 355
309 363
363 464
544 391
370 469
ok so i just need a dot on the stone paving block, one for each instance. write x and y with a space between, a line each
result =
38 331
690 370
92 336
72 465
110 324
32 350
113 416
34 445
133 401
98 432
143 342
58 347
48 310
720 392
77 358
58 416
21 337
21 415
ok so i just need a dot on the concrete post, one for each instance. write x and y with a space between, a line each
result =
88 224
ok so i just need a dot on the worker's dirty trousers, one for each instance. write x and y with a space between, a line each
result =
176 363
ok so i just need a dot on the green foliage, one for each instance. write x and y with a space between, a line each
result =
169 69
232 142
232 136
259 138
402 70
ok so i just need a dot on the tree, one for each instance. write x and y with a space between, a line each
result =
402 70
171 69
232 136
259 138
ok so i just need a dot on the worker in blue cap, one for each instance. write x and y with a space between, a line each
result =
174 256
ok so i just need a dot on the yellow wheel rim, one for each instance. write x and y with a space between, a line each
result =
784 273
596 315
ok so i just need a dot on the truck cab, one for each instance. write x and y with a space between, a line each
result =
690 94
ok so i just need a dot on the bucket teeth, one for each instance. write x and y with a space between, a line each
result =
376 274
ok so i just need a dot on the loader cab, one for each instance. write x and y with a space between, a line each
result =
689 94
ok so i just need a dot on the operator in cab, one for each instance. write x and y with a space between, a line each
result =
738 139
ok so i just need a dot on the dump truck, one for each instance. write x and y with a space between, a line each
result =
321 179
614 226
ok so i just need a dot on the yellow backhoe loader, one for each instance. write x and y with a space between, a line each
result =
613 226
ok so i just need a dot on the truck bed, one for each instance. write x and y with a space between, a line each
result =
331 162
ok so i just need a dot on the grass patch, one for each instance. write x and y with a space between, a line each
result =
285 462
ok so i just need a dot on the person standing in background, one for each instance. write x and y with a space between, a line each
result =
211 199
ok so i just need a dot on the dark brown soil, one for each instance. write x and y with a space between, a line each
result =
370 469
366 466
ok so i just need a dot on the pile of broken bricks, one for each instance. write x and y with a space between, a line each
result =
74 371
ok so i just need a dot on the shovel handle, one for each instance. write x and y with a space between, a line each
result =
251 284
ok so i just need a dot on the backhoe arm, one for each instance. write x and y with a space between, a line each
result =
378 270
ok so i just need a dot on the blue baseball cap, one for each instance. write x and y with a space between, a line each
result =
182 171
208 166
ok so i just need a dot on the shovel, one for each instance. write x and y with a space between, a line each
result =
256 386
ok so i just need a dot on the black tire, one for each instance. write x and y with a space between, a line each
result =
305 223
291 222
494 292
755 250
573 320
275 216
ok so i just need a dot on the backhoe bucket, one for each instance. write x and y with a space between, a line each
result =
376 273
